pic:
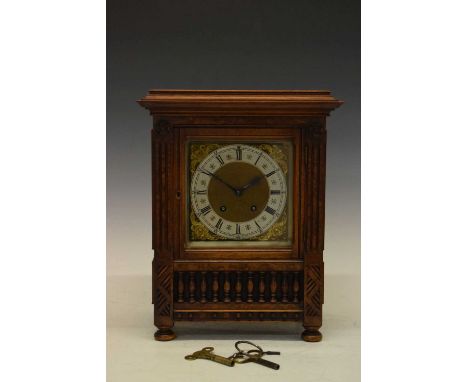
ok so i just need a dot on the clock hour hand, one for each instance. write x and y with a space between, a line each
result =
236 191
253 182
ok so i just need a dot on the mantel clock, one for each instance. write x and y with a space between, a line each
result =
238 189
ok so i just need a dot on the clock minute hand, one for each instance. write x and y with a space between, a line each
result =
236 191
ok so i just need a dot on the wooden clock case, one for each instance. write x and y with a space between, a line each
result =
238 284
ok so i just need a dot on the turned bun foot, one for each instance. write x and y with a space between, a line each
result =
311 335
164 335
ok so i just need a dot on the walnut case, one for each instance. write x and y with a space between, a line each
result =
244 283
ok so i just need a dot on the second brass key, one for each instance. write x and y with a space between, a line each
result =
207 353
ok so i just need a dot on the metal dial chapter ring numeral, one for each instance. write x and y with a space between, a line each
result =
220 160
205 210
239 153
270 210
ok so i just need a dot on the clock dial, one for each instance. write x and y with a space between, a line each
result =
238 192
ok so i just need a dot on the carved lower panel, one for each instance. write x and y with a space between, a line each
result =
313 294
162 290
238 316
236 286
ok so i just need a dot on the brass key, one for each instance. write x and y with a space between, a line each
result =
254 356
207 353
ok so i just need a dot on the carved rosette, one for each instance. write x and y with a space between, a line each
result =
163 189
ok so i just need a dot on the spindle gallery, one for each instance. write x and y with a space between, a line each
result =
259 287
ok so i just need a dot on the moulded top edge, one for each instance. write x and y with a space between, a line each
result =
239 99
236 91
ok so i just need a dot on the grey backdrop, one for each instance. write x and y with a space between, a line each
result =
227 44
220 44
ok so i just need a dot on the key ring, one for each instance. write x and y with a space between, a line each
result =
242 356
257 349
238 357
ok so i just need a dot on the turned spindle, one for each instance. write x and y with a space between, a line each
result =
249 287
273 286
215 286
227 287
192 287
180 288
238 287
296 287
203 287
261 287
284 287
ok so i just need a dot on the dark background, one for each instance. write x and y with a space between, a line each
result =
220 44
